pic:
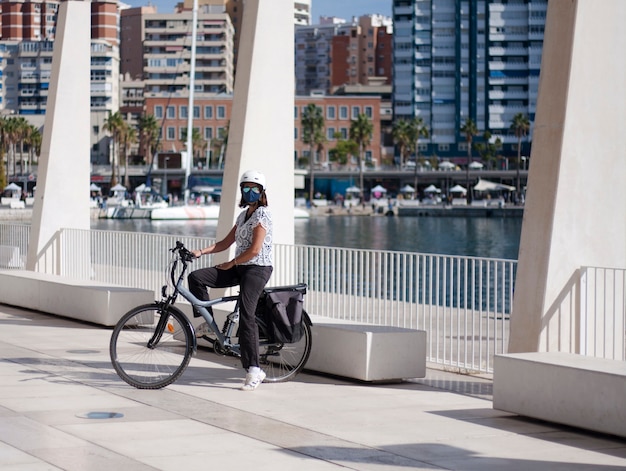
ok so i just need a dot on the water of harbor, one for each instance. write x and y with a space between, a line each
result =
465 236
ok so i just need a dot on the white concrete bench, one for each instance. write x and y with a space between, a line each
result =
564 388
367 352
84 300
10 257
371 353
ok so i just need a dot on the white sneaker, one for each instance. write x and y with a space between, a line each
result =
202 330
253 380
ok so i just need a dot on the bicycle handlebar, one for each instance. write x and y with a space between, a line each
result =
184 254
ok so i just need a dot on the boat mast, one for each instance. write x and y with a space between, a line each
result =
192 80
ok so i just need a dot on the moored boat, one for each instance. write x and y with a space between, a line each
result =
209 211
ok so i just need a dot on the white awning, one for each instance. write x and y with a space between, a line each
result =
486 185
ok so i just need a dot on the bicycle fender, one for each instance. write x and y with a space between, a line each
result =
188 325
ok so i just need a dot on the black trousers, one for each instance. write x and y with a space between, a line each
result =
251 279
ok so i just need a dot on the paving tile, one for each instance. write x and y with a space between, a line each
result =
55 372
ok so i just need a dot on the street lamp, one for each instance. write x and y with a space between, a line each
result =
164 184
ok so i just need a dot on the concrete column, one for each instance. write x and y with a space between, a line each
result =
62 195
261 126
576 205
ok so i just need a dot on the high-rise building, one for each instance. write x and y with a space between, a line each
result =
460 59
336 53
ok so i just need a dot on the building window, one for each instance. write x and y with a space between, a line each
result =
330 112
295 133
196 112
355 112
171 133
208 133
295 112
221 112
220 133
158 112
208 112
344 133
330 134
182 112
343 112
368 111
171 112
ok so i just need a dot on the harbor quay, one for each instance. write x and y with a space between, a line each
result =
25 215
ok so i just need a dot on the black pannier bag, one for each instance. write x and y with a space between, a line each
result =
283 317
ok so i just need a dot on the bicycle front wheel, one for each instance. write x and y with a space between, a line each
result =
283 361
150 348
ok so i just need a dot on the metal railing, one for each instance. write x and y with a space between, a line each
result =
463 303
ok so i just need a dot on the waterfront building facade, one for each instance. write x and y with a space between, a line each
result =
212 115
460 59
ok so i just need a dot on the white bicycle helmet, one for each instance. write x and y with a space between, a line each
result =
252 176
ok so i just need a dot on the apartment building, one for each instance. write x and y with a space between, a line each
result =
163 61
28 34
235 9
459 59
336 53
212 115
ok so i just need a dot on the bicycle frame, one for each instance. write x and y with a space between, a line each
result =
200 305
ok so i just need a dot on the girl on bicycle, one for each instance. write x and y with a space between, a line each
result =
251 268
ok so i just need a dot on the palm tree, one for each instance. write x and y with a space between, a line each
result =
128 137
313 135
400 132
33 141
149 131
4 147
520 126
114 124
417 129
3 175
22 129
11 136
470 130
361 130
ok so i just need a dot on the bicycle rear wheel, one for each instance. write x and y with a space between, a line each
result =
283 361
150 348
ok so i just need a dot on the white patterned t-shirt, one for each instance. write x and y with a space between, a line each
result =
244 232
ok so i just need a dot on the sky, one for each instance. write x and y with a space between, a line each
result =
341 8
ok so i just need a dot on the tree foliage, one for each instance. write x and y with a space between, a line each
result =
361 130
520 125
313 135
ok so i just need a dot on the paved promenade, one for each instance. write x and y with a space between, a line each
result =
63 407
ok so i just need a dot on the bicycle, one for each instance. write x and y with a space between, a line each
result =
152 344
